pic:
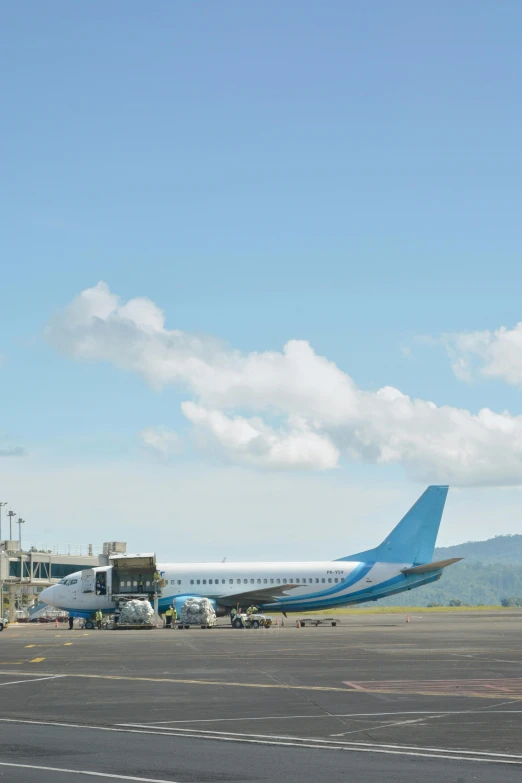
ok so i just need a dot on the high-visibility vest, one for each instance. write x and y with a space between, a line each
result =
169 612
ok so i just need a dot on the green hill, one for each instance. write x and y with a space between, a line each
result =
490 572
501 549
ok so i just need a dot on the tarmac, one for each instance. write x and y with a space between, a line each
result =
374 698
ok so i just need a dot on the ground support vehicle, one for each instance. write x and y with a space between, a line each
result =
3 623
318 621
251 621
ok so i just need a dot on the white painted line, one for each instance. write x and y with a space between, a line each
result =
36 679
216 734
85 772
159 723
253 739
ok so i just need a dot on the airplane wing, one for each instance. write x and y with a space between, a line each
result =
260 595
424 569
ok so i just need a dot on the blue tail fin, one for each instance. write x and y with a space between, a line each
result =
413 540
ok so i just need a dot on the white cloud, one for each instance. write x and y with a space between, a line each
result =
161 440
495 354
306 412
253 442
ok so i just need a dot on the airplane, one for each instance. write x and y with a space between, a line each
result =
403 561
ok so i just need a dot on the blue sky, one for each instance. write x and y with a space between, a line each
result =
344 174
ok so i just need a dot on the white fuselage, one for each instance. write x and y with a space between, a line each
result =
317 584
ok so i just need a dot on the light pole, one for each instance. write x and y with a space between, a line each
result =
11 514
1 504
20 523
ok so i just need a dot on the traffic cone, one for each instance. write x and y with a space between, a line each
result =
56 622
407 618
297 624
282 622
277 620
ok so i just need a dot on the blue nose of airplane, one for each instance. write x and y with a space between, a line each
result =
47 595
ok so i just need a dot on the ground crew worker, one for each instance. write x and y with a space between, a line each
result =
168 617
140 584
252 609
99 618
174 615
157 576
233 614
71 622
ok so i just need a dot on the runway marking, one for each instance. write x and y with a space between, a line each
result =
85 772
483 687
297 742
37 660
442 713
68 644
386 686
222 734
221 683
37 679
29 645
354 685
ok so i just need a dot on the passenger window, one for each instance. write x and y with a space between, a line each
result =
223 581
271 581
179 581
259 581
209 581
230 581
239 581
278 581
336 580
198 582
297 581
191 581
265 581
245 581
323 580
317 581
252 581
204 581
330 579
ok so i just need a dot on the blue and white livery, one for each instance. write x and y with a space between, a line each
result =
401 562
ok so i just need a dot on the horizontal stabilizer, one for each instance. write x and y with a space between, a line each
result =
425 569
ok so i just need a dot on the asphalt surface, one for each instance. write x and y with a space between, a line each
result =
437 698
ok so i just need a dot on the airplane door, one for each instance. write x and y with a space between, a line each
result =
88 581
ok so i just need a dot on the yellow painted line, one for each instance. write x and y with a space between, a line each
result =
192 682
67 644
271 686
37 660
30 645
